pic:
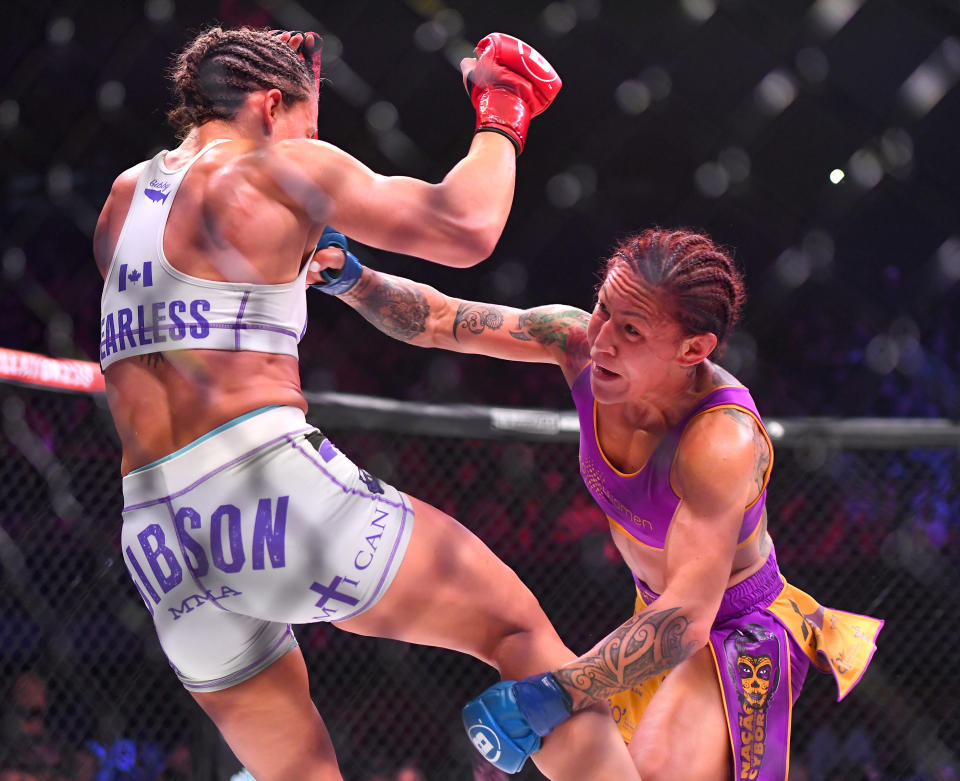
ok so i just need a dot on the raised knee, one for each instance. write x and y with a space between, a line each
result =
652 763
658 764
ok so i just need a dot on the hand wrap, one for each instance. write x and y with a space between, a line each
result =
506 722
338 280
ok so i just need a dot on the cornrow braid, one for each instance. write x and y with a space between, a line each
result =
700 282
212 76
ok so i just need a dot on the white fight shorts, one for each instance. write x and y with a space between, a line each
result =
257 525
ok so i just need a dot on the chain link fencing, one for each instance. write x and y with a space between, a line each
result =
864 514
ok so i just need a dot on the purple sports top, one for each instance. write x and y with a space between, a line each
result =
642 504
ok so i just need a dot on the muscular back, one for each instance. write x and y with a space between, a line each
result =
230 221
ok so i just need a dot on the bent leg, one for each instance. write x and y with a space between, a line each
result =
272 725
683 735
451 591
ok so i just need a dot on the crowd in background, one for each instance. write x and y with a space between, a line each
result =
878 336
854 526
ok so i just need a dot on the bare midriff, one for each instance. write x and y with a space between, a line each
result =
164 401
649 564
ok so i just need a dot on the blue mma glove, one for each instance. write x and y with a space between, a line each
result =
506 722
338 280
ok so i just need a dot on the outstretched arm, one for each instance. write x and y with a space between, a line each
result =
715 476
421 315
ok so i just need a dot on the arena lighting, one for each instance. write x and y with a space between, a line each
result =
711 179
13 263
111 95
657 78
510 279
793 267
60 30
9 114
561 17
445 25
569 187
698 11
896 148
382 116
775 92
59 180
812 65
736 162
829 16
865 168
714 177
158 11
430 36
632 96
332 48
948 260
820 248
932 79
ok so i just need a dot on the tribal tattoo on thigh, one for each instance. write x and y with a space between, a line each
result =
650 643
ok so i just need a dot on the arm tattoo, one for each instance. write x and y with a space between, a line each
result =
476 317
761 450
651 642
399 310
762 453
565 328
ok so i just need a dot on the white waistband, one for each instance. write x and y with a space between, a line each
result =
211 453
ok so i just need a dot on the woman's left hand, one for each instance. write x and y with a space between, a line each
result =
331 257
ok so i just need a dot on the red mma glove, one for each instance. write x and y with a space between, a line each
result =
509 83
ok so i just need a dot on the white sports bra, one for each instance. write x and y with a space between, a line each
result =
148 306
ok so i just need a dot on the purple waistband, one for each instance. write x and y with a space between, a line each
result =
761 588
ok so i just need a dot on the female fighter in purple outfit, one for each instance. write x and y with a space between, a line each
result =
702 679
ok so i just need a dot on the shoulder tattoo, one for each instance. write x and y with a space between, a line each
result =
761 448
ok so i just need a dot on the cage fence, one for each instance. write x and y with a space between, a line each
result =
863 513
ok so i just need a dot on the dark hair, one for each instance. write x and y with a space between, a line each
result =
701 284
216 71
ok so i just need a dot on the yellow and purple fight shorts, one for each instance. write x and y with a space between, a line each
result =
765 636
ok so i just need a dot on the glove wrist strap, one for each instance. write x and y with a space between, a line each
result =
339 281
506 134
504 112
543 702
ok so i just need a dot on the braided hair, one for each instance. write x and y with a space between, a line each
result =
700 284
213 75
